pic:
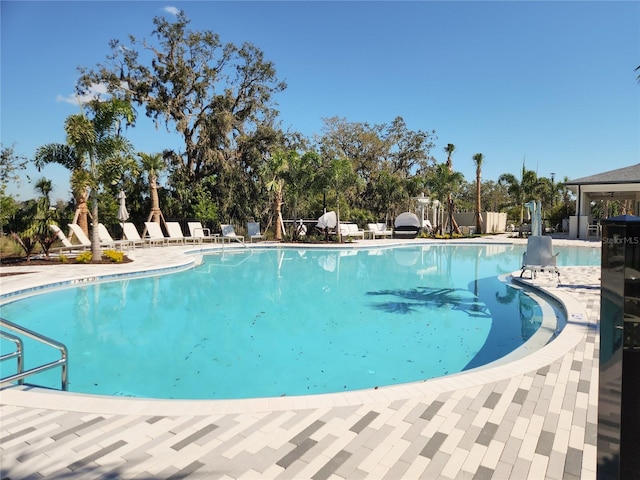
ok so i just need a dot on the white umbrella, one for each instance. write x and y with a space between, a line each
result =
123 215
329 219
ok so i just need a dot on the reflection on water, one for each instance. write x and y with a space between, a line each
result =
455 298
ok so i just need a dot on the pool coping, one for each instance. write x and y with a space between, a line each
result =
577 327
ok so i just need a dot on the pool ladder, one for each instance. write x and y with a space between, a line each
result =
19 354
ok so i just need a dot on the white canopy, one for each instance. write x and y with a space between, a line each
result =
329 219
407 219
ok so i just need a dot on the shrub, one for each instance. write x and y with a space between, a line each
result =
446 236
9 247
84 257
113 255
62 258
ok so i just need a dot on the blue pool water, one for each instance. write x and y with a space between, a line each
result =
273 322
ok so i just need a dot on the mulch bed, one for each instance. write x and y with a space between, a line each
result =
13 261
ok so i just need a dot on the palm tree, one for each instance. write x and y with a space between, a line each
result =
32 225
478 158
453 225
97 141
521 190
273 172
68 157
442 183
45 216
153 163
449 149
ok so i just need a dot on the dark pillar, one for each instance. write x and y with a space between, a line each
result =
619 390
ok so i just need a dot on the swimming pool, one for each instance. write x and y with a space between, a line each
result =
290 322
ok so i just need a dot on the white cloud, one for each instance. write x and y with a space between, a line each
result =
95 92
172 10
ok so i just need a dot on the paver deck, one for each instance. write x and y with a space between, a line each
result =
531 418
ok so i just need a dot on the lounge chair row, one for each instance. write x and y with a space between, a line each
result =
83 241
374 230
152 235
379 230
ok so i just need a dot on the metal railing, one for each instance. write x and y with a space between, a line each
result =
19 354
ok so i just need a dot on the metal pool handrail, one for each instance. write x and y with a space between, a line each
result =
16 354
19 354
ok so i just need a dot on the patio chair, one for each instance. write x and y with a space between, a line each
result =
197 231
539 256
77 232
253 231
107 239
350 230
131 234
154 233
174 232
67 245
229 233
378 230
301 228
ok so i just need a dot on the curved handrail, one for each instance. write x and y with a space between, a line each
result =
63 361
18 353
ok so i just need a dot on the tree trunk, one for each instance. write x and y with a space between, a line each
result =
96 254
478 205
278 201
155 201
82 213
453 227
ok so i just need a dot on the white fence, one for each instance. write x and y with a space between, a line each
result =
492 222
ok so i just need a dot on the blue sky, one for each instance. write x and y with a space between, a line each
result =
550 83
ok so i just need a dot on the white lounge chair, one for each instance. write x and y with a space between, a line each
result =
67 245
174 232
154 233
77 232
229 233
131 234
253 231
378 230
351 230
539 256
197 231
107 239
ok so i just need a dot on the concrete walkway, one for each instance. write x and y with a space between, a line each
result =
532 418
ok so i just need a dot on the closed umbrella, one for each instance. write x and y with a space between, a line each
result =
123 215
